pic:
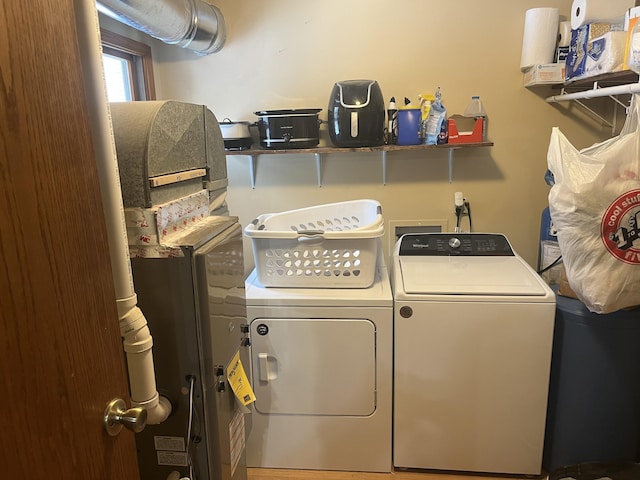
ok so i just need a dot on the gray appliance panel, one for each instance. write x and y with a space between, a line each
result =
194 308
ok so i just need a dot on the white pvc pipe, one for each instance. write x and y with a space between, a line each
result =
133 326
597 92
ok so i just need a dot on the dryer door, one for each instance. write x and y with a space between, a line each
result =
314 366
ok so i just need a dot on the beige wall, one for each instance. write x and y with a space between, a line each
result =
289 53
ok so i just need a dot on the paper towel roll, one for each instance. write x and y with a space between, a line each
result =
564 34
540 36
584 12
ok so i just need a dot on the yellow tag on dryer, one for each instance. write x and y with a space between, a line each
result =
239 382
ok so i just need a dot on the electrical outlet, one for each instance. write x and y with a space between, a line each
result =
458 199
461 207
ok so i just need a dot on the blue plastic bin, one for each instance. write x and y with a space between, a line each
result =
594 392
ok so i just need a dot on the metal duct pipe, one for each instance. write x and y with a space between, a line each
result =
192 24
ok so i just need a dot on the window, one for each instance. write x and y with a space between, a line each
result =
128 68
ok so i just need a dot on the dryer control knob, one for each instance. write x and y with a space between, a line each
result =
454 242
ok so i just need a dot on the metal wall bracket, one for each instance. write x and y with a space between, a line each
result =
596 92
320 152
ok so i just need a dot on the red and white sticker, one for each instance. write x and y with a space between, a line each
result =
619 228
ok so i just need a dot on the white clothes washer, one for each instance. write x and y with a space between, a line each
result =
321 372
472 352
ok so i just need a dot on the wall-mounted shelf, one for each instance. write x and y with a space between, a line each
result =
319 152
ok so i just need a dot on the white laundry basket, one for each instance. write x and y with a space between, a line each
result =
325 246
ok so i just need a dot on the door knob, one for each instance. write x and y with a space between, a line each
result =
116 415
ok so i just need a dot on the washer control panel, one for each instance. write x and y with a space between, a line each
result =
458 244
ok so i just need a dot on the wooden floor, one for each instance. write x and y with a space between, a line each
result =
278 474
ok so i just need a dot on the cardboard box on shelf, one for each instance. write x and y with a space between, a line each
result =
631 19
465 129
545 74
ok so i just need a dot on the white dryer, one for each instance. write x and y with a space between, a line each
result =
321 369
473 336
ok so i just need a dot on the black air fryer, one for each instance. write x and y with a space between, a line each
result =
356 114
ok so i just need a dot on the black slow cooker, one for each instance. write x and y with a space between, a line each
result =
297 128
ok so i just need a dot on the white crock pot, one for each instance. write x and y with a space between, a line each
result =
236 135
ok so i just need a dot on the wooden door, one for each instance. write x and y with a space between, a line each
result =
61 354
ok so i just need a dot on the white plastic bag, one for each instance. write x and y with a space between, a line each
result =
595 206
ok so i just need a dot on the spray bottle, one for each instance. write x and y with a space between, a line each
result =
426 100
436 121
443 124
392 122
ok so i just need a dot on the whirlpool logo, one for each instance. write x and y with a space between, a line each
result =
619 228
